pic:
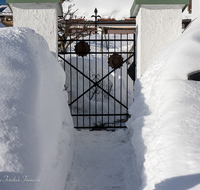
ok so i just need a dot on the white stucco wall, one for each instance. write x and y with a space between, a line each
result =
40 17
195 9
157 26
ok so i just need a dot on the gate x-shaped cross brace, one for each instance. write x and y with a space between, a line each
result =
96 83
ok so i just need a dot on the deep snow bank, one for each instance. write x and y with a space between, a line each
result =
165 117
36 129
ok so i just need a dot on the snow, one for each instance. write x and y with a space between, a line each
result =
165 117
1 25
36 133
186 14
103 160
3 6
6 10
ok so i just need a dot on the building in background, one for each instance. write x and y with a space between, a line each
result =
6 16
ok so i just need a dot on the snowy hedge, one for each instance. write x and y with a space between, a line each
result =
36 129
165 117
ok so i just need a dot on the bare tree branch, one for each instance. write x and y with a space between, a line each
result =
71 27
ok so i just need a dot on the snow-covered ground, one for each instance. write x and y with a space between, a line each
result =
165 117
36 129
103 160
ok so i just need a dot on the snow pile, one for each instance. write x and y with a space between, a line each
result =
165 117
36 129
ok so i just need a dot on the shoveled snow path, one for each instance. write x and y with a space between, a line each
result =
103 161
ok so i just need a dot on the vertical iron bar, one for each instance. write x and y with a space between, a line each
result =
70 75
64 62
127 77
83 89
115 72
96 63
95 11
108 80
134 57
96 30
102 73
89 86
101 40
77 87
121 82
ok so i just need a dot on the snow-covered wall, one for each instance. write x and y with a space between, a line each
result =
165 117
157 26
36 129
41 17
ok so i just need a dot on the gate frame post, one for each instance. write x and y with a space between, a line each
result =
39 15
158 23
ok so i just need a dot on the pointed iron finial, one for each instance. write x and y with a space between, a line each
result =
95 16
95 11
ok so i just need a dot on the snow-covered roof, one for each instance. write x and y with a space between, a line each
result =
6 12
2 7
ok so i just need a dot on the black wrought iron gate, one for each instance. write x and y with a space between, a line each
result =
99 88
